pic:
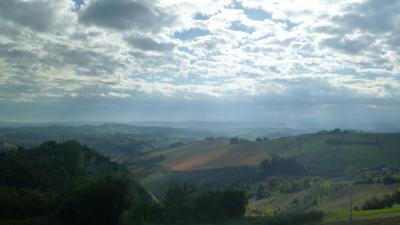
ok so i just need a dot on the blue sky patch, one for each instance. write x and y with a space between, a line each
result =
191 34
200 16
78 4
237 25
253 13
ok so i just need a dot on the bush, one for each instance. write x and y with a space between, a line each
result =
24 203
384 202
96 201
214 206
389 179
181 206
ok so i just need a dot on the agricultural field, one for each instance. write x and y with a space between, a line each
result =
333 161
320 153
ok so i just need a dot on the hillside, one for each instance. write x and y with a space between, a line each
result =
210 154
333 152
321 153
64 183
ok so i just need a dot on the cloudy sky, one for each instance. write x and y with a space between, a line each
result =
315 61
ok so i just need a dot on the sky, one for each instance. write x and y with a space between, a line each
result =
294 61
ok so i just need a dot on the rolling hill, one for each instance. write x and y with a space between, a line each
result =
116 140
217 163
210 154
321 153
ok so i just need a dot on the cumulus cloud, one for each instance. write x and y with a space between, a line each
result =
38 15
148 44
125 15
280 52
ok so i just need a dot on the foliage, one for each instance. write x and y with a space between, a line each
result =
298 218
214 206
24 203
389 179
177 205
386 201
237 141
96 201
282 166
181 205
65 183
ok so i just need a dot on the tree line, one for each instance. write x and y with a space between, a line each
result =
278 165
386 201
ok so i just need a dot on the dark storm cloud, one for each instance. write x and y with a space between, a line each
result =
125 15
148 44
37 15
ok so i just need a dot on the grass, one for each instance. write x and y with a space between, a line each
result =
313 150
212 154
361 214
380 221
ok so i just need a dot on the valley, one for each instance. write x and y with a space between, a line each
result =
331 171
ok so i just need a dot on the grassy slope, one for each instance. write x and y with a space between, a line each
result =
211 154
311 149
317 155
366 217
359 150
361 193
334 202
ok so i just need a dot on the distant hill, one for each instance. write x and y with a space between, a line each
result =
326 152
110 139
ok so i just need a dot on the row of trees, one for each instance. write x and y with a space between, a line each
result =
278 165
387 201
182 206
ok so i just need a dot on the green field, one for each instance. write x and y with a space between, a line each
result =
320 153
362 215
216 163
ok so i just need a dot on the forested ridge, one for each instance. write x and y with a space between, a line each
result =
70 184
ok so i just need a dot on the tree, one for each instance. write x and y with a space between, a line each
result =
280 165
95 201
177 203
215 206
234 141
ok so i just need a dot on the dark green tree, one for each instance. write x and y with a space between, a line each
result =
95 201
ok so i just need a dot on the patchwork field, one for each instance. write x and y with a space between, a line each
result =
320 153
217 164
211 154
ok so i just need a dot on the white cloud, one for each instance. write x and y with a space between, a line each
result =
96 51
